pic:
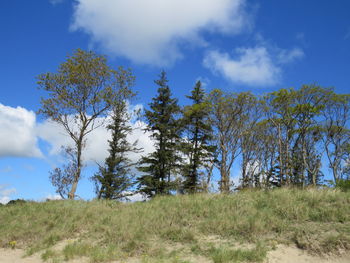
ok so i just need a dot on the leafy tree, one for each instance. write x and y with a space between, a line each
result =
308 105
294 115
115 178
279 112
80 93
227 117
160 166
199 133
249 139
266 151
336 133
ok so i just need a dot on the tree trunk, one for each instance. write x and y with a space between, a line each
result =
71 194
224 186
280 155
304 162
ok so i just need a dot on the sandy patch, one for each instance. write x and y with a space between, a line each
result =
16 256
284 254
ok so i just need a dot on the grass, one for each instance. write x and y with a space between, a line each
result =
224 255
174 228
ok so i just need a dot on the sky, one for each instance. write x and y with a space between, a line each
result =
235 45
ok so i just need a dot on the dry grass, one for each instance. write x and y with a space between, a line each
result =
174 227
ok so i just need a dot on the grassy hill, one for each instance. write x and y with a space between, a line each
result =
202 228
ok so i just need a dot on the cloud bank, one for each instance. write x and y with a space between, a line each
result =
17 133
20 132
96 149
153 31
258 66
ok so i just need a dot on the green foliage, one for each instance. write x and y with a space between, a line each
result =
83 89
76 249
295 121
336 133
49 254
197 146
17 202
343 185
228 115
223 255
115 178
160 166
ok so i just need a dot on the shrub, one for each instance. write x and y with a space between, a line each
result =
343 185
16 202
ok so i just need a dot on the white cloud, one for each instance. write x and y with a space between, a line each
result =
4 200
151 32
52 197
17 133
252 66
5 194
55 135
96 145
288 56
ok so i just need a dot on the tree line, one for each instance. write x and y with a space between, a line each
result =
282 138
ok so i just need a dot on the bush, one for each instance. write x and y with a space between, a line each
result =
343 185
16 202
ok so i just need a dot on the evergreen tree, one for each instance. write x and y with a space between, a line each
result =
159 167
114 178
198 130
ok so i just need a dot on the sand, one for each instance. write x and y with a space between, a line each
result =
16 256
282 254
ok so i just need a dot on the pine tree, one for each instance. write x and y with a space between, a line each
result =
159 167
198 130
114 178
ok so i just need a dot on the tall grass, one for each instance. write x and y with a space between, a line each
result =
315 220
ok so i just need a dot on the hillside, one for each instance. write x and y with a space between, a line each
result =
240 227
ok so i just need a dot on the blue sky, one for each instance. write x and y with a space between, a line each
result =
236 45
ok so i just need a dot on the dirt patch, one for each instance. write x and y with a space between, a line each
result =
16 256
282 254
287 254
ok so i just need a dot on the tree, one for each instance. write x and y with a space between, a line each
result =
336 133
115 178
279 112
198 130
294 115
159 166
308 105
62 179
249 139
80 93
227 118
265 151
